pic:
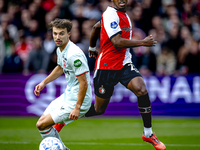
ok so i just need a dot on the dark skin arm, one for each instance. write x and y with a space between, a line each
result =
93 38
118 41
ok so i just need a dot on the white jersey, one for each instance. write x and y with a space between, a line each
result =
74 63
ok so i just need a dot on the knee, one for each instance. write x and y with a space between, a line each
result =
41 126
137 86
141 90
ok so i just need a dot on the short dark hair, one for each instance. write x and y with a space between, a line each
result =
61 23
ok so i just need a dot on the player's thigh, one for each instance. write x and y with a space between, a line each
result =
137 86
56 109
57 103
132 79
64 115
45 121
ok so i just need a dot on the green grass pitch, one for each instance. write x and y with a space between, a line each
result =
103 133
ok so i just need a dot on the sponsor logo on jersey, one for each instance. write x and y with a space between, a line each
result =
102 90
77 63
126 29
113 25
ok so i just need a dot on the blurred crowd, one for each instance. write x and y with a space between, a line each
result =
27 46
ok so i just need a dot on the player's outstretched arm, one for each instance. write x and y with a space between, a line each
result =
93 39
58 71
119 42
81 95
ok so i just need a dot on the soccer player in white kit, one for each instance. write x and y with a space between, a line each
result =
76 100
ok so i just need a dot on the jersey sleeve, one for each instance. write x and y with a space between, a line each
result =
79 64
111 23
58 57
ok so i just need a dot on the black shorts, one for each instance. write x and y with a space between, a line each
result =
105 80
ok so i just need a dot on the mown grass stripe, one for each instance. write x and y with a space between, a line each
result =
89 143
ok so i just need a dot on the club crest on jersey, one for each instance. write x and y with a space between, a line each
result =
102 90
113 25
77 63
64 64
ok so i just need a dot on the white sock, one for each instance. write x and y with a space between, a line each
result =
51 132
148 132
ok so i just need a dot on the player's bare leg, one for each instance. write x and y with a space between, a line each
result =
45 128
138 87
45 122
99 107
101 104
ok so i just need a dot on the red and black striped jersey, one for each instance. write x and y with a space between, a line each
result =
113 22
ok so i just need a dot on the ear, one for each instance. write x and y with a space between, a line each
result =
69 34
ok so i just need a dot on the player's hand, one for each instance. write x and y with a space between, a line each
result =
93 54
149 41
74 114
38 88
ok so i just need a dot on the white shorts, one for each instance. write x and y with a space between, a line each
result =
60 110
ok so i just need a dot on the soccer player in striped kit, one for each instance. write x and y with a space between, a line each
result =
114 65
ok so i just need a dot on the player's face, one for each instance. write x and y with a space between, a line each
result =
120 4
60 36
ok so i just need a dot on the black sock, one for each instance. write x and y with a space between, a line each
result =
145 109
91 112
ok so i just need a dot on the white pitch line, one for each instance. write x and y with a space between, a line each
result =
84 143
13 142
188 145
87 143
128 144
